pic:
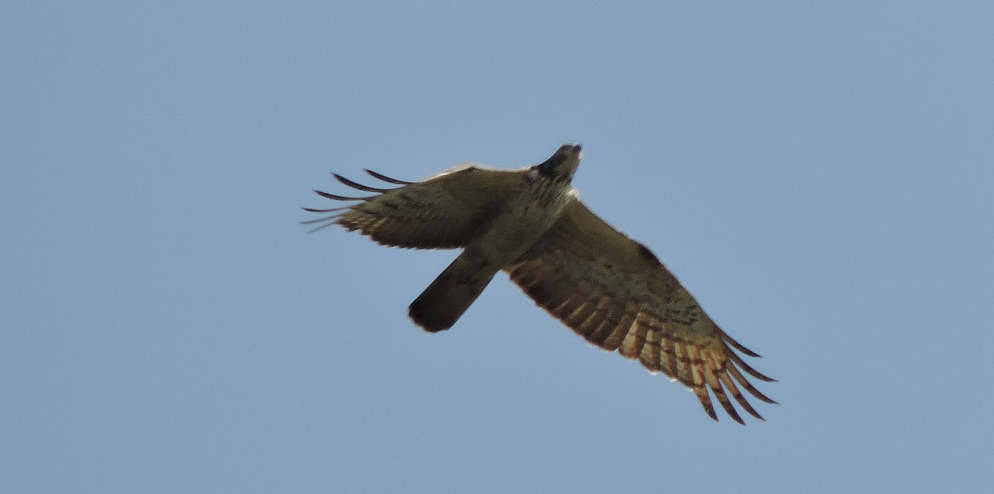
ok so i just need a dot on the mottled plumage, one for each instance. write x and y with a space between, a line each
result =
529 223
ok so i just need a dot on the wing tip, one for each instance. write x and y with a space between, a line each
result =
359 186
385 178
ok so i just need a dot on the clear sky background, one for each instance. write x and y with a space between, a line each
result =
820 177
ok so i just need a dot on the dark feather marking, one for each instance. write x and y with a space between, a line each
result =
594 330
651 358
725 403
734 390
577 318
702 395
336 197
613 339
387 179
329 210
539 290
327 220
612 317
647 254
594 321
738 346
747 385
321 220
668 353
563 310
601 332
356 185
641 329
746 367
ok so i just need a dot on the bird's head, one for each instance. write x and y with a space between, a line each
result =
562 165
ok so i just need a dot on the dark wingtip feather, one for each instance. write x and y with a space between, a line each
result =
746 367
327 221
738 346
336 197
727 405
321 220
702 396
359 186
743 402
328 210
762 397
386 178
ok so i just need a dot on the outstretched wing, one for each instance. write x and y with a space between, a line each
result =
614 292
441 212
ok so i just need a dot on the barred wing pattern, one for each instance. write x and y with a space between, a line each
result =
441 212
614 292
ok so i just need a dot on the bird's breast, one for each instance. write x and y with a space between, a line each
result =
523 220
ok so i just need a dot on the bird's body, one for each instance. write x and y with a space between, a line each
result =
530 223
528 215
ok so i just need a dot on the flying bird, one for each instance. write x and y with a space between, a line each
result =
530 223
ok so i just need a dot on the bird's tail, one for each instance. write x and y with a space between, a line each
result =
448 297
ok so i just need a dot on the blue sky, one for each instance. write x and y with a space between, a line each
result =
820 177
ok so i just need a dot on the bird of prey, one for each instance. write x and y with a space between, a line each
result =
530 223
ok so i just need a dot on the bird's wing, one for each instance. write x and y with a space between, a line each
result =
441 212
614 292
